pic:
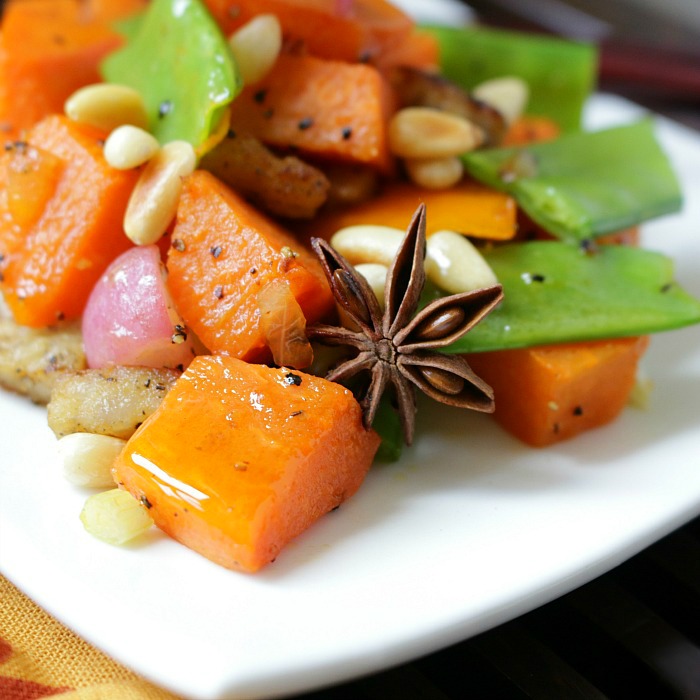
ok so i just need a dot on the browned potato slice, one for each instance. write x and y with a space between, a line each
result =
112 401
286 187
32 359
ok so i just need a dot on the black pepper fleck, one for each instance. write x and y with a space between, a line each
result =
179 245
260 96
219 291
578 411
305 123
295 414
666 287
291 378
179 335
165 108
346 132
216 250
145 502
588 246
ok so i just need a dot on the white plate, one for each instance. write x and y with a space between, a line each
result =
469 530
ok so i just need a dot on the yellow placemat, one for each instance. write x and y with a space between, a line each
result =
39 658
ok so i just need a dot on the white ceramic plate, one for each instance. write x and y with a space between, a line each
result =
469 530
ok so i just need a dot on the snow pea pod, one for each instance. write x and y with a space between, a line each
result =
180 62
560 73
557 293
585 184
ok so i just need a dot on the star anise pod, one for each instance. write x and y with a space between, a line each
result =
398 347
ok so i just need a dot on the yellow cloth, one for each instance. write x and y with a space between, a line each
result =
39 657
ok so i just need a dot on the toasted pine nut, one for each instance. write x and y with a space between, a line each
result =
87 458
129 146
435 173
115 517
375 274
455 265
256 46
154 201
425 132
107 106
365 243
509 95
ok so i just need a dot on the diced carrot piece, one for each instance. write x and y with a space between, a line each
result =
342 31
239 459
468 208
551 393
323 108
69 227
223 252
49 49
531 129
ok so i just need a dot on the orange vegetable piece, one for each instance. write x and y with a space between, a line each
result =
49 49
468 208
239 459
62 236
323 108
342 31
223 252
531 129
419 49
551 393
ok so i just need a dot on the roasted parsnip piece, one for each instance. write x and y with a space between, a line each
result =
31 359
111 401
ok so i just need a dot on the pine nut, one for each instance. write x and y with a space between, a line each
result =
115 517
129 146
365 243
435 173
153 203
107 106
424 132
256 46
509 95
87 458
375 274
455 265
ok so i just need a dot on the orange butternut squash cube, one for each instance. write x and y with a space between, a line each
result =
60 219
326 109
241 458
551 393
223 253
49 49
468 207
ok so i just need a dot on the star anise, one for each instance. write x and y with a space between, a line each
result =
398 347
